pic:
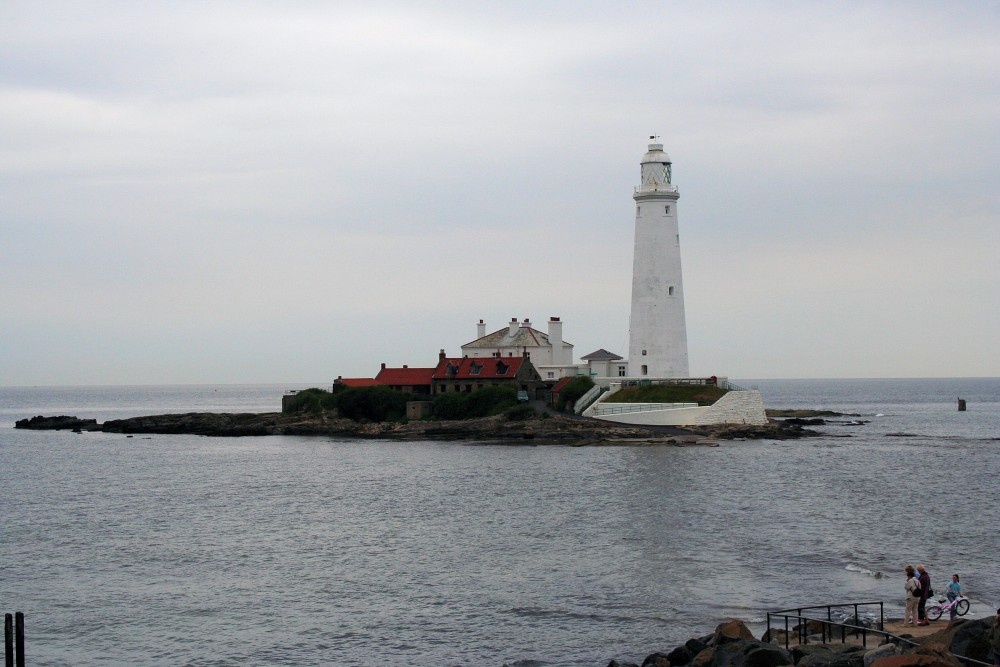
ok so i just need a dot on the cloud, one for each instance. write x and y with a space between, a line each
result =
192 187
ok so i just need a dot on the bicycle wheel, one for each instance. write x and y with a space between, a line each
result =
962 608
933 612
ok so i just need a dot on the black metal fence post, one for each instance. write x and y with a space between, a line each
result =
8 640
19 638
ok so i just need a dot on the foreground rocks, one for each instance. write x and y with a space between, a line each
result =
733 645
543 430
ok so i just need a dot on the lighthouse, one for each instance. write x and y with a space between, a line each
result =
657 331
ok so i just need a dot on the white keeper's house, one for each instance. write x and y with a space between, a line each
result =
551 356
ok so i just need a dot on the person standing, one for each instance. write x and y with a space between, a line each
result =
995 639
954 591
911 589
925 590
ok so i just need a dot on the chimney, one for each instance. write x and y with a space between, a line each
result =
556 341
480 329
512 327
405 366
383 365
526 323
441 356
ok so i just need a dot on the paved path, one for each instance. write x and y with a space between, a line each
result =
897 627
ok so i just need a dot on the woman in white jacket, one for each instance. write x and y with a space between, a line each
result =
912 590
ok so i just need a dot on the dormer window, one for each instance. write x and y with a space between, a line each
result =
475 368
502 368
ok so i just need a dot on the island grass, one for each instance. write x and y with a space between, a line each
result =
667 393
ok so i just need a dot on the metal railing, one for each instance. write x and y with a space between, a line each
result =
654 189
722 383
625 408
584 401
801 626
829 628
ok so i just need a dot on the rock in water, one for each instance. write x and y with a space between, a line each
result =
62 422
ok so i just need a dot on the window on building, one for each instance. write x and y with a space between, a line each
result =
468 388
644 353
475 368
621 371
550 374
670 291
645 370
502 368
666 209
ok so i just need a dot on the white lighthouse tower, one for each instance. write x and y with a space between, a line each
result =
657 331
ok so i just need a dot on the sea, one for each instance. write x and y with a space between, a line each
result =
189 550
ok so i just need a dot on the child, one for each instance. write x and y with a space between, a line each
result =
954 590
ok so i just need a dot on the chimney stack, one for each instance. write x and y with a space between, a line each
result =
480 330
556 341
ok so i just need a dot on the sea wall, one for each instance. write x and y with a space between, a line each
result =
736 407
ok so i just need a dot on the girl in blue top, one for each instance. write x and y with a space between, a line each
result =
954 590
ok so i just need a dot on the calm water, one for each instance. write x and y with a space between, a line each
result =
169 550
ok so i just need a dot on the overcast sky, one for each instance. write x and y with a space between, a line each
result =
228 192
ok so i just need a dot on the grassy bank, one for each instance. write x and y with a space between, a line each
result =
666 393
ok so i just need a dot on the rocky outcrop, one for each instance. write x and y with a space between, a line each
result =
543 430
229 424
732 645
60 423
963 636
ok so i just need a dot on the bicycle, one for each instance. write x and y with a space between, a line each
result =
940 606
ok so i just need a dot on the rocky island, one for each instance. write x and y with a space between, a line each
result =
543 428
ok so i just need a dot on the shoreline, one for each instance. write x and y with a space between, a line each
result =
549 429
733 644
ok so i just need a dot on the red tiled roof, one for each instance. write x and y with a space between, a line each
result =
357 382
489 368
562 383
404 377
